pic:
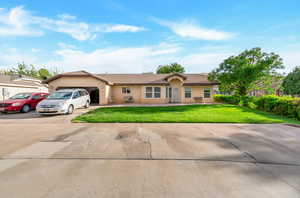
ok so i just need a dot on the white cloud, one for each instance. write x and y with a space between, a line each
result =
20 22
66 17
188 29
16 23
130 59
115 60
13 56
65 45
122 28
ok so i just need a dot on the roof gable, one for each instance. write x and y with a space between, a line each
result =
183 77
75 74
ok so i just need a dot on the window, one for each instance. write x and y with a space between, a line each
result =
125 90
36 97
207 93
60 95
21 96
156 92
168 92
187 92
82 93
76 95
152 92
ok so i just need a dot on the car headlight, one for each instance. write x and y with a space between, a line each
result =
16 104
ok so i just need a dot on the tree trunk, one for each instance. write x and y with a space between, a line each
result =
242 91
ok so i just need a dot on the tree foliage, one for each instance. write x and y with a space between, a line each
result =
241 74
31 70
171 68
291 83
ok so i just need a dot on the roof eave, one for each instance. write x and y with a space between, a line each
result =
200 84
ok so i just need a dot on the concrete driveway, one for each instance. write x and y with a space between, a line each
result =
59 159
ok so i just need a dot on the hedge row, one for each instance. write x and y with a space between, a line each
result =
285 106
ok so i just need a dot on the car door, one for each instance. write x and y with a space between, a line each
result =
83 98
76 99
35 99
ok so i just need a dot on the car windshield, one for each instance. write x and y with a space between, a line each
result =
60 95
21 96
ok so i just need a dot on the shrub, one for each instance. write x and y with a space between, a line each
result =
237 100
285 106
298 112
227 99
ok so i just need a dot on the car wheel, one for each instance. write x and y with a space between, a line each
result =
70 109
25 109
87 104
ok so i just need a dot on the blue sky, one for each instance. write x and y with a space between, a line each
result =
137 36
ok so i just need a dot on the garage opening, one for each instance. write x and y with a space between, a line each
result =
93 91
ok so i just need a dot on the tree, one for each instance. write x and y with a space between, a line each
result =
31 70
240 74
291 83
171 68
44 73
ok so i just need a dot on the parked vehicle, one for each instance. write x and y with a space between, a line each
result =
64 102
22 102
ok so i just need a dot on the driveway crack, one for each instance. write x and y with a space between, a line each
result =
257 162
146 140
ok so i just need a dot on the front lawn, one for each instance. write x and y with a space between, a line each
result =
221 113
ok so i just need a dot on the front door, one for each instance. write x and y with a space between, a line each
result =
175 95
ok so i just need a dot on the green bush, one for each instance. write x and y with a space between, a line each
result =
298 112
227 99
237 100
285 106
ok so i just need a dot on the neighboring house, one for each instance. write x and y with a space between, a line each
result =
138 88
13 84
271 87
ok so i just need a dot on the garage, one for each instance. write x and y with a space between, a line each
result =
93 91
97 87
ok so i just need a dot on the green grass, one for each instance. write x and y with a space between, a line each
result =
222 113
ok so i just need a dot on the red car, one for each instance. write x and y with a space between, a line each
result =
22 102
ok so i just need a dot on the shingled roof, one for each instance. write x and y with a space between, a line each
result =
140 79
18 80
75 74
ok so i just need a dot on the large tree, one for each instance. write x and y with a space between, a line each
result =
291 83
240 74
171 68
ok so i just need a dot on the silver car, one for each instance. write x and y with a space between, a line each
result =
64 101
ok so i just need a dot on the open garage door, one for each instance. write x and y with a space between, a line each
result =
93 91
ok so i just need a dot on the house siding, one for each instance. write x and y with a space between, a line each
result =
198 91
